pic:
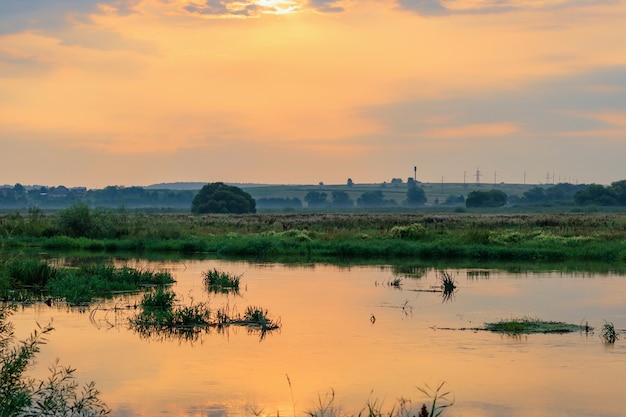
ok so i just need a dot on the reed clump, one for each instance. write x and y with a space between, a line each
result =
221 282
23 279
608 333
526 325
161 315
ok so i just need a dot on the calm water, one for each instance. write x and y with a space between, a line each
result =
329 342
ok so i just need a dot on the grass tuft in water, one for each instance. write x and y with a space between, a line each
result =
528 325
448 285
608 333
221 282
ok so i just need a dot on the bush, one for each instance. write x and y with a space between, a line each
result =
412 231
56 396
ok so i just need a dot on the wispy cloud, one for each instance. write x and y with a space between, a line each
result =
449 7
591 104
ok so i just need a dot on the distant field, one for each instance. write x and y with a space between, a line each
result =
398 192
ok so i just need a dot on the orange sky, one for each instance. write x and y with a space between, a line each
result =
135 92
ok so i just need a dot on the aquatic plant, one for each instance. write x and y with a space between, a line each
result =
218 281
82 285
530 325
608 333
440 400
448 285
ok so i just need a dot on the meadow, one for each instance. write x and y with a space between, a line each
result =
313 237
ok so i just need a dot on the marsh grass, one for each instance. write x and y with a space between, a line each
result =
83 285
608 333
448 285
438 400
478 236
528 325
221 282
161 316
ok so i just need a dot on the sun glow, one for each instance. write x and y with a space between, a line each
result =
278 6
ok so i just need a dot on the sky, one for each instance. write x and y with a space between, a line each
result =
137 92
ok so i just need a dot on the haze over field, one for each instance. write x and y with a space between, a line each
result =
136 92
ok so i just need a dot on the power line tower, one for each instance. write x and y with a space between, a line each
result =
477 176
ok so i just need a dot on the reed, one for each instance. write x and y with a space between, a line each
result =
221 282
526 325
608 333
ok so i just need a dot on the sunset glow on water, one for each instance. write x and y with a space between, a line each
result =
329 343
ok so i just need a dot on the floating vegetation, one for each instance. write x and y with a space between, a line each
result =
161 317
608 333
437 398
448 285
221 282
527 325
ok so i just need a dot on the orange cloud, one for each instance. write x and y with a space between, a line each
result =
471 131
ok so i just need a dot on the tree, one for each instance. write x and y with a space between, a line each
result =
619 190
415 195
342 199
596 194
77 221
493 198
374 199
349 182
218 197
315 198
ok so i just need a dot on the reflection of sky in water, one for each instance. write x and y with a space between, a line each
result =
328 341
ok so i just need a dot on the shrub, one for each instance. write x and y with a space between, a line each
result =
412 231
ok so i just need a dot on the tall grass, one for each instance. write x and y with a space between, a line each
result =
221 282
82 285
510 237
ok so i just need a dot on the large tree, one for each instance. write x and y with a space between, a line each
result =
218 197
415 195
493 198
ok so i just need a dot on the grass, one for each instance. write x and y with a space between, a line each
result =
358 235
608 333
161 317
527 325
32 279
438 399
221 282
448 285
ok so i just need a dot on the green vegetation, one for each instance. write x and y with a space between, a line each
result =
527 325
26 279
608 333
160 317
315 237
58 395
448 285
221 198
438 399
493 198
221 282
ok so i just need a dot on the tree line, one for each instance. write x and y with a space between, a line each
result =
230 199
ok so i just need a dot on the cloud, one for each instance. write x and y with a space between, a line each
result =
256 8
591 103
45 15
449 7
327 6
21 66
242 8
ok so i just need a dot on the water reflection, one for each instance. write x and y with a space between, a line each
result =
328 340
